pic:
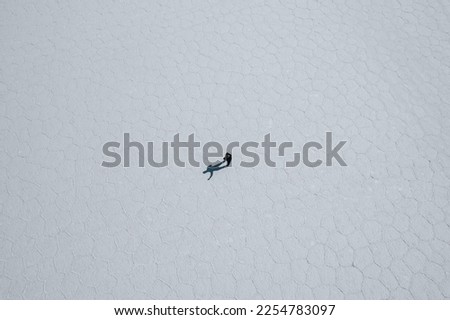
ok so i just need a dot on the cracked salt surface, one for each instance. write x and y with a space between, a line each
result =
75 75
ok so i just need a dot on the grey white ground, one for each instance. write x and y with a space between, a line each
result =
75 74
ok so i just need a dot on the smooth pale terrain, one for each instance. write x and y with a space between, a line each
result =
76 74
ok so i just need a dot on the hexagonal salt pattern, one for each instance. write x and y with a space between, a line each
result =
76 74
